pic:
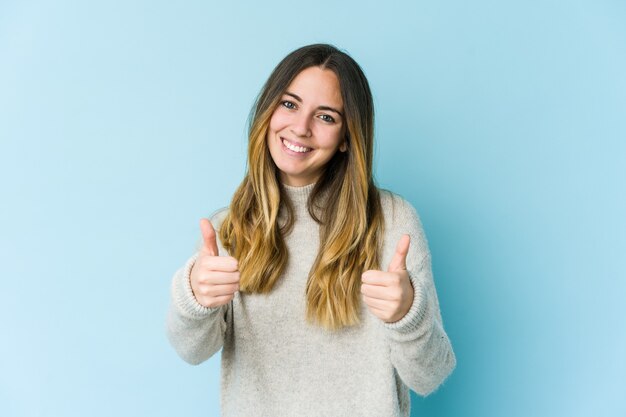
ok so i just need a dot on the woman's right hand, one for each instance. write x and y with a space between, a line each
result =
214 279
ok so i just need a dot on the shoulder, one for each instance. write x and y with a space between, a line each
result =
401 217
218 216
396 208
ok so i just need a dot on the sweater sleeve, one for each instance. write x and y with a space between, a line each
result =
196 332
421 351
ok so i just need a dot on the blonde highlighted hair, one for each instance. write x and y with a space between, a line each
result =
344 201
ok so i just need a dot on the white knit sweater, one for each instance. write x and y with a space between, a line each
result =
276 364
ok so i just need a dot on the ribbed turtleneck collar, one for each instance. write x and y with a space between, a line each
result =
299 195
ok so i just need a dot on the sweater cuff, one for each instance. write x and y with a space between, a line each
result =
417 313
183 294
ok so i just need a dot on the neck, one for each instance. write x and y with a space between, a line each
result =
298 195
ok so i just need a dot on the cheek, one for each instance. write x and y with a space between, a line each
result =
278 121
276 125
332 138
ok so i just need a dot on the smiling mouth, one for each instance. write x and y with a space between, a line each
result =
295 148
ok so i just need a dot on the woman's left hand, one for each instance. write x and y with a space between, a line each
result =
389 295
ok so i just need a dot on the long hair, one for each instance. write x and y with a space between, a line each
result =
344 201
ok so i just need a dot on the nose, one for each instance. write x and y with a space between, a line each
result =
301 125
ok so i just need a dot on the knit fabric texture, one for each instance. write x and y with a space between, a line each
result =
274 363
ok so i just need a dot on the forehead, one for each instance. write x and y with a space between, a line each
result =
318 85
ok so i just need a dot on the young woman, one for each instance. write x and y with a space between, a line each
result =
316 284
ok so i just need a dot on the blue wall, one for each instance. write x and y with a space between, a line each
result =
122 123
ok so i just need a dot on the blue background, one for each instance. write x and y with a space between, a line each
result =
122 123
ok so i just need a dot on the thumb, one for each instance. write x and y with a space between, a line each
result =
398 262
209 238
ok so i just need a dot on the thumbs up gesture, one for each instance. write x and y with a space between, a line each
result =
389 295
214 279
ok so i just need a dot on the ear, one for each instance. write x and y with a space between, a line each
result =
344 144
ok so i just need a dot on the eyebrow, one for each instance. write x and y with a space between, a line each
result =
319 107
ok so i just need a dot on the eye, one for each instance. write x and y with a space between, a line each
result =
327 118
288 104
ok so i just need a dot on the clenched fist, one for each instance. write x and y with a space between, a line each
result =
214 279
389 294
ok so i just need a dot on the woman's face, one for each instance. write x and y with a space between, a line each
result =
307 127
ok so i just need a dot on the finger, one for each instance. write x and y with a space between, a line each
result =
374 277
219 301
378 311
398 262
220 277
220 290
220 263
376 303
379 292
209 237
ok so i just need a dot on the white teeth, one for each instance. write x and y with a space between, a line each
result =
294 147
